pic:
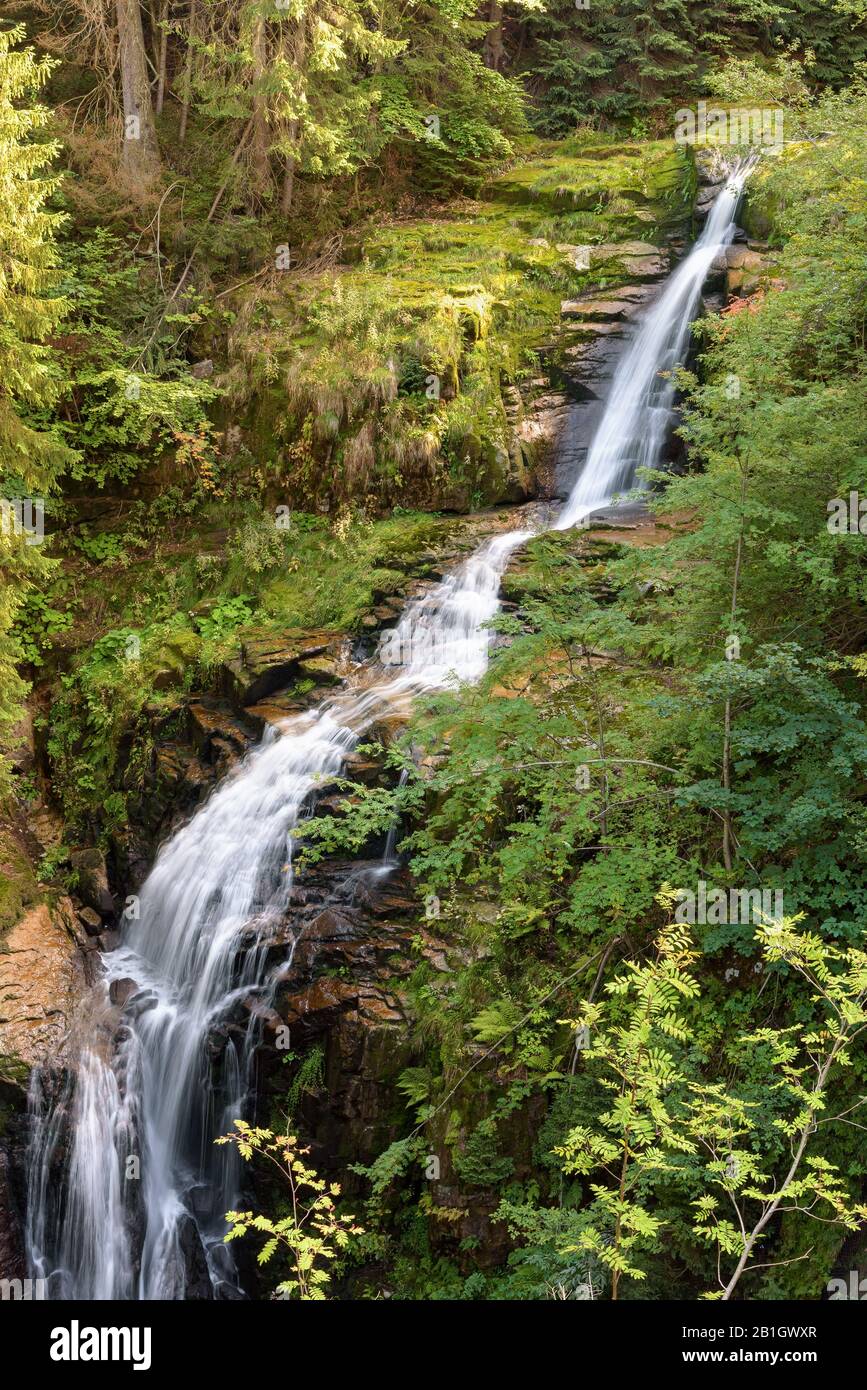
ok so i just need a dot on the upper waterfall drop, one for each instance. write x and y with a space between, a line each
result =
638 413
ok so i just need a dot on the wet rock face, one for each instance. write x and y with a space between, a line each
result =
352 928
207 740
624 275
352 937
22 744
91 875
267 663
41 978
215 733
12 1261
358 935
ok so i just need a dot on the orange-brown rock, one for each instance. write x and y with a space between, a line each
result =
41 976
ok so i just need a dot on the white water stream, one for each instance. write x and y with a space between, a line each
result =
141 1173
638 412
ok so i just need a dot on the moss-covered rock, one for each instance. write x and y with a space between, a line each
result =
19 888
392 378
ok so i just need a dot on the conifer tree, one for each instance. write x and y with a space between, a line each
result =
30 456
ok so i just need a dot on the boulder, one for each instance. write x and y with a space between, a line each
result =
740 257
213 728
20 744
92 880
269 662
616 250
645 269
590 327
121 991
324 670
641 261
275 712
90 920
616 305
745 269
706 199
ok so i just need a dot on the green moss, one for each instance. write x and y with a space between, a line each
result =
761 209
388 378
332 581
130 682
571 178
19 888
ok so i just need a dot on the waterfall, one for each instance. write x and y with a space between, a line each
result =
144 1190
228 869
633 430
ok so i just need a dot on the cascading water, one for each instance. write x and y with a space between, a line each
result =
157 1098
229 869
638 413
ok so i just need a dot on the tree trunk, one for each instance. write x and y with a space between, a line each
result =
289 174
494 49
261 141
162 56
188 70
296 56
141 157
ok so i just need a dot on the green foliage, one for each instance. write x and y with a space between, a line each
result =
308 1078
392 1163
38 622
224 618
665 1125
102 546
610 61
31 452
481 1163
332 90
128 394
613 745
746 80
614 63
314 1236
616 662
